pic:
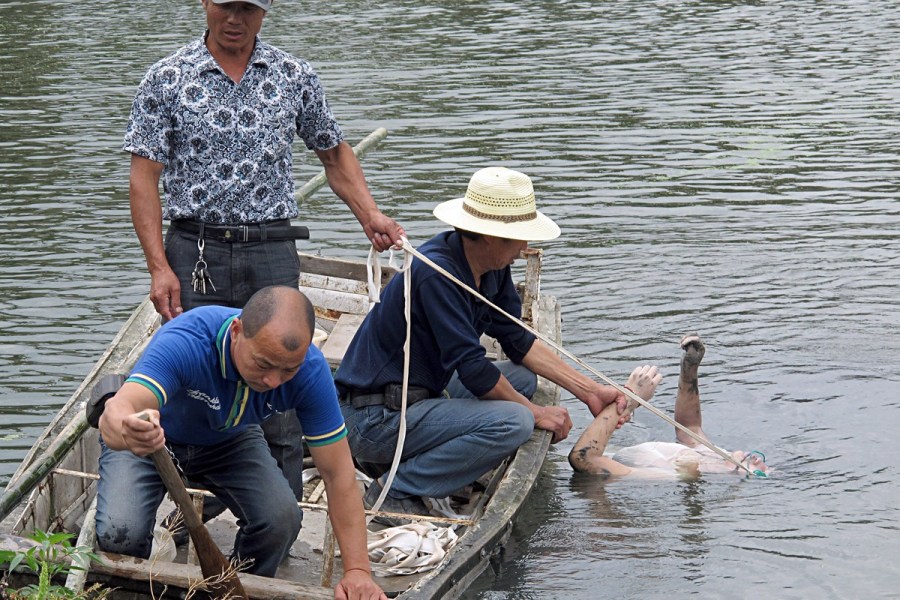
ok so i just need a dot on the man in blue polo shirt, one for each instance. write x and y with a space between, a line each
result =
465 412
206 380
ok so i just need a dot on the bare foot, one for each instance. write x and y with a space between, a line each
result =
643 381
693 350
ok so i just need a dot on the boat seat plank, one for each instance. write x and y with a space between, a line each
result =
339 340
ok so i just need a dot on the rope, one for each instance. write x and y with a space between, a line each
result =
373 268
412 251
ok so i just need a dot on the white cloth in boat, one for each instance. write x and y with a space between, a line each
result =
408 549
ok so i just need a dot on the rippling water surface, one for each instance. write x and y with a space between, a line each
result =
724 167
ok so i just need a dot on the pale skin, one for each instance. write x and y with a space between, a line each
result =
489 253
587 454
264 363
232 32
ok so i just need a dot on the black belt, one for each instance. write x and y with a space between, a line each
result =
248 232
390 396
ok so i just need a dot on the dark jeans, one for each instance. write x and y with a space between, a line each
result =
239 471
238 269
450 442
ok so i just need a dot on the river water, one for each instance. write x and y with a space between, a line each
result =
722 167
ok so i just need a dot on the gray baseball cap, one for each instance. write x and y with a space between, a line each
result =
263 4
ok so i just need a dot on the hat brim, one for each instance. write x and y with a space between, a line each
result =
539 229
263 4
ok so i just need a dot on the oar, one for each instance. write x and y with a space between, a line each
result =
221 577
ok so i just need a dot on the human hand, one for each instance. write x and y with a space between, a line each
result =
554 419
644 380
601 396
165 293
357 584
384 232
142 432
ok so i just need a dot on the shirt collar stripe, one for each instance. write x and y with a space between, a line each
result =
221 343
243 403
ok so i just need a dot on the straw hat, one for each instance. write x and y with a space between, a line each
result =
499 202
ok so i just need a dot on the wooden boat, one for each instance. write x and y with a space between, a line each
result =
55 485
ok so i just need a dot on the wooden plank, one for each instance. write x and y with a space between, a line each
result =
339 340
180 575
341 268
336 302
334 284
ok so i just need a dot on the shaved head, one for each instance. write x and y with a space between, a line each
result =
285 307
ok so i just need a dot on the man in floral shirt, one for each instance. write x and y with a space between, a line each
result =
215 121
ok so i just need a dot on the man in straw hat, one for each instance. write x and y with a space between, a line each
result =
465 413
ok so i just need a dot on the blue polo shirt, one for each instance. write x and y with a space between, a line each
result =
204 401
447 323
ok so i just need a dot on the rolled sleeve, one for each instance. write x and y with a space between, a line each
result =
316 124
149 131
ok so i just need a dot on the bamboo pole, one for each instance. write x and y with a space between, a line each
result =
367 143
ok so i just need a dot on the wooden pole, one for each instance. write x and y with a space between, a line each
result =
222 580
367 143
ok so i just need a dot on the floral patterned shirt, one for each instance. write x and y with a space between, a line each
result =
226 147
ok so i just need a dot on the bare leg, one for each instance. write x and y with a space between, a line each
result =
687 403
587 454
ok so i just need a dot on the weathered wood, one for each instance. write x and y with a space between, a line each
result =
336 302
328 550
531 288
78 576
192 548
180 576
340 268
183 577
337 343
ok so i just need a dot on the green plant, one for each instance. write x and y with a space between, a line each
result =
50 556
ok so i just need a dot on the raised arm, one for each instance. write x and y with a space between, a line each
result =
587 454
345 176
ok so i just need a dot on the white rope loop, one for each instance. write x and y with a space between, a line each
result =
373 268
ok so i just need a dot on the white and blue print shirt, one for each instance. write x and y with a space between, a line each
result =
226 147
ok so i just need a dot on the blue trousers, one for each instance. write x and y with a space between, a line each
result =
238 270
241 473
450 442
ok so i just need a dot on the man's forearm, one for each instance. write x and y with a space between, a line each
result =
346 179
543 361
349 523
